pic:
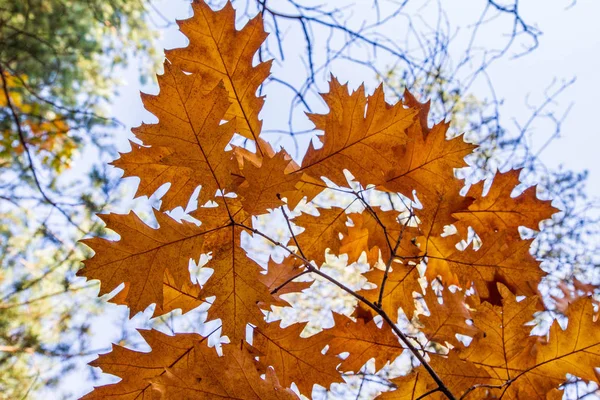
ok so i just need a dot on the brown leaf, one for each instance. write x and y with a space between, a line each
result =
423 108
236 282
501 259
525 366
218 52
146 163
266 183
364 341
307 187
498 212
142 256
458 376
278 278
426 164
297 359
575 350
446 319
136 369
365 142
235 375
368 233
190 128
356 241
503 344
321 232
185 298
400 285
182 366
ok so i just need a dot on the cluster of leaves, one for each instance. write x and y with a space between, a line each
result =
456 264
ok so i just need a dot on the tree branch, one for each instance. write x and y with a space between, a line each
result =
442 387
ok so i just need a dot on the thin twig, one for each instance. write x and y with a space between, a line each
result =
442 387
23 142
278 288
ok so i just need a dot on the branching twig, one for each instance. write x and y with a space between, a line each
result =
442 387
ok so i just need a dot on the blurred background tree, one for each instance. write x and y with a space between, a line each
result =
60 64
59 70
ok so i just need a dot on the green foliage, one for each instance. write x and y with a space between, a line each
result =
58 63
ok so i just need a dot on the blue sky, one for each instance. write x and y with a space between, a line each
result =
568 48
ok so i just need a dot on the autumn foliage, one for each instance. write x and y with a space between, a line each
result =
455 264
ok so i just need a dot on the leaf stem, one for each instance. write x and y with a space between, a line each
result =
278 288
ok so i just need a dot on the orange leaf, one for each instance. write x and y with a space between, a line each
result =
136 369
235 283
190 129
142 256
266 183
503 343
400 286
364 341
278 278
181 366
446 319
368 232
235 375
502 259
458 376
365 142
426 164
218 52
321 232
498 212
297 359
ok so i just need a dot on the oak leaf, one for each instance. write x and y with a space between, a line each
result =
500 259
190 128
446 318
182 366
364 340
217 52
361 134
266 183
458 377
388 231
136 369
183 298
235 283
297 359
498 212
235 375
400 290
141 257
278 276
319 230
423 108
426 165
504 343
356 241
544 366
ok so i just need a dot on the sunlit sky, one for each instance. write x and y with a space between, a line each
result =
568 49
